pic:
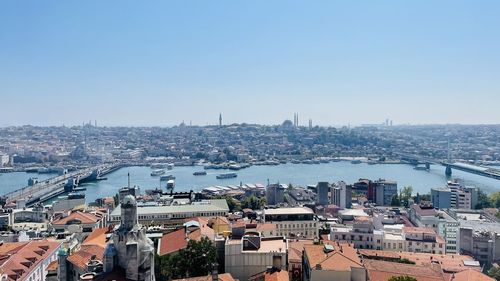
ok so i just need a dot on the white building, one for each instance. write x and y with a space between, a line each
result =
253 254
341 195
293 222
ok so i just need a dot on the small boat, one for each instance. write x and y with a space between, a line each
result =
200 173
157 172
226 176
170 166
170 185
167 177
234 167
356 162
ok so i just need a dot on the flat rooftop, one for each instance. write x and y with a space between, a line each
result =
289 211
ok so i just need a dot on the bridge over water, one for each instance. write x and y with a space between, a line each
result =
49 188
450 165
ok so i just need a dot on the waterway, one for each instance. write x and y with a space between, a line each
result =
297 174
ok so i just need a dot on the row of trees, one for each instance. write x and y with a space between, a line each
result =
197 259
250 202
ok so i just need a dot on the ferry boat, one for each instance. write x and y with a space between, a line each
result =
167 178
200 173
234 167
157 172
226 176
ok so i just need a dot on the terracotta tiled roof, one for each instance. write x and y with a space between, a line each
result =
97 237
468 275
343 257
425 211
449 263
222 277
418 230
81 257
173 242
295 249
266 227
383 271
85 218
23 258
53 265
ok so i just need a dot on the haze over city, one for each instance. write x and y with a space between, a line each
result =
162 63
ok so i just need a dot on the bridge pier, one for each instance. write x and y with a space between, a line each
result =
448 170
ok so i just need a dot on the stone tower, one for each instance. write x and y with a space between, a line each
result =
129 212
62 270
134 251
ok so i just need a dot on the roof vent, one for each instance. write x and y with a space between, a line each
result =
328 248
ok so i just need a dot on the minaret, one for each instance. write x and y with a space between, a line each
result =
220 119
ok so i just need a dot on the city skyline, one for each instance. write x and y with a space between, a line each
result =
164 63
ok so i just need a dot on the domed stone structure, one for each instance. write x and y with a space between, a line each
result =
130 249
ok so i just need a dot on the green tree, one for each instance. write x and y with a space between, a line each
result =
395 201
202 254
402 278
483 201
405 195
253 202
495 199
494 272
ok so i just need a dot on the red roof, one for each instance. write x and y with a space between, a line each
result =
85 218
20 259
173 242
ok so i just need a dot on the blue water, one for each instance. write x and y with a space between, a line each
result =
297 174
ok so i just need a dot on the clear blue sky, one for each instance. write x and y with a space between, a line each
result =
161 62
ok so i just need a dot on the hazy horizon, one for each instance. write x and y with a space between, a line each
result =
160 63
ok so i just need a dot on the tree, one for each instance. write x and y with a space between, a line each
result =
483 201
494 272
202 254
495 199
395 201
402 278
405 195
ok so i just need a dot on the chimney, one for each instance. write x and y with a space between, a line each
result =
318 266
215 272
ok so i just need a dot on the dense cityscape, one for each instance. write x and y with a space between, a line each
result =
249 140
371 229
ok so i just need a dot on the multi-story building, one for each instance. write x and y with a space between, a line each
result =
332 261
423 240
448 228
360 233
441 198
175 215
384 192
28 260
78 222
275 194
322 189
455 195
293 222
250 255
342 195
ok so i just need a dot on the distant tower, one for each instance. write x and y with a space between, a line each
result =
297 120
310 123
62 270
220 119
